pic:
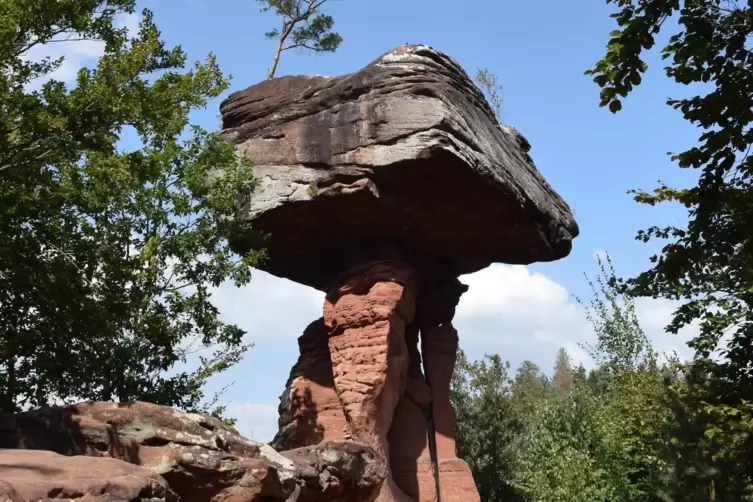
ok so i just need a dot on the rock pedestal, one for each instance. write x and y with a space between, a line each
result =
367 315
375 320
439 346
381 188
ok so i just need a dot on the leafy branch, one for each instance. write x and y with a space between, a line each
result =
303 26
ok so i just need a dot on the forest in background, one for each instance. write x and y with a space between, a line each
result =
639 426
107 256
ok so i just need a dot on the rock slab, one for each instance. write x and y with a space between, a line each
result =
29 475
197 456
405 153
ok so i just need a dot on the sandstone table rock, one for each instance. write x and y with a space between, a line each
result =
200 458
406 152
381 188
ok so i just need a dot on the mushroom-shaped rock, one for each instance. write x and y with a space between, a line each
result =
403 159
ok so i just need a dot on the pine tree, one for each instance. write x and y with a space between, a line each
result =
562 381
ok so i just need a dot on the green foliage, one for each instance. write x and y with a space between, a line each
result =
709 440
564 457
707 265
108 257
529 387
598 436
562 379
621 344
303 27
629 381
486 424
492 89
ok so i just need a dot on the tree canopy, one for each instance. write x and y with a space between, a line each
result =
108 255
708 264
304 26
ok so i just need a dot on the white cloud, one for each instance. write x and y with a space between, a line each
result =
523 315
508 310
512 290
520 315
654 316
269 307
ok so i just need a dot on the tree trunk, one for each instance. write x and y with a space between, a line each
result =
275 60
8 401
286 27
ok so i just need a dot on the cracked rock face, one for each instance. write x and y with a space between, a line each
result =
404 154
310 409
196 456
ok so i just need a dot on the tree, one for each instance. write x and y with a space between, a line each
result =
108 256
564 455
707 454
529 387
492 90
315 35
621 343
486 427
707 264
562 380
629 381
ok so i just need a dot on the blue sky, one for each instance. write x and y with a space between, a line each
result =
590 156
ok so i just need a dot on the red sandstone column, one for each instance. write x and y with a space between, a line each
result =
439 346
408 437
310 410
367 314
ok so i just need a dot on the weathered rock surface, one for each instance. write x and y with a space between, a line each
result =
32 476
381 188
455 481
404 153
199 457
310 410
367 315
8 493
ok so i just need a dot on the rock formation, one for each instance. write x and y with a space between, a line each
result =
144 451
381 188
43 475
310 410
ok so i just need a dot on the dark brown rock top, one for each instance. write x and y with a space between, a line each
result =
402 159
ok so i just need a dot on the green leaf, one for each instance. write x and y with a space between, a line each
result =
113 252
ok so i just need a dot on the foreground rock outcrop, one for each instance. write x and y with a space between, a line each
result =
29 475
146 451
381 188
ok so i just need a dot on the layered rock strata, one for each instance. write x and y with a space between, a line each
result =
380 188
404 154
150 452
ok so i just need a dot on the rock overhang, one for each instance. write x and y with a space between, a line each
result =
402 159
